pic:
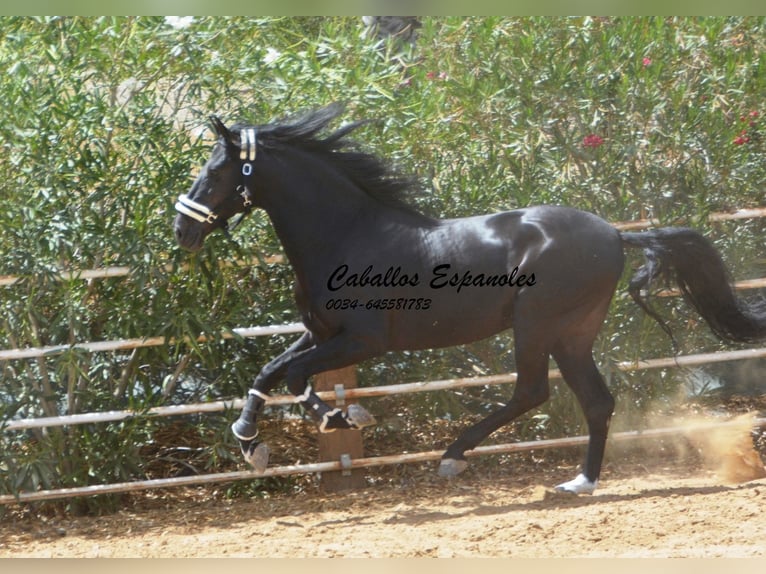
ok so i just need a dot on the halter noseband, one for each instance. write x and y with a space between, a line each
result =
204 214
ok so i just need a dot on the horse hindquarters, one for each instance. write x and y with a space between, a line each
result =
560 315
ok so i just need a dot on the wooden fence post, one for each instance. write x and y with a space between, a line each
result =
342 444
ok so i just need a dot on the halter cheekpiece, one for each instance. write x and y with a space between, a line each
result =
204 214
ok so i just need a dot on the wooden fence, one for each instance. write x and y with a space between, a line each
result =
342 465
340 453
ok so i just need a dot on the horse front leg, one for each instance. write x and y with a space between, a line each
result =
338 352
245 428
331 419
302 360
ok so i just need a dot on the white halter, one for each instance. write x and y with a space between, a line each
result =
195 210
204 214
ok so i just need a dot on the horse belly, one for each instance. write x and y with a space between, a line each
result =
450 320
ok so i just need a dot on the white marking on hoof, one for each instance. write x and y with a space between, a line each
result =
258 457
449 467
358 417
240 436
579 485
326 420
305 396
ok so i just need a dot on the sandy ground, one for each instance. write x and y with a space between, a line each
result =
700 495
662 513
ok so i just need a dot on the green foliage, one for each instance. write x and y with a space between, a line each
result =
105 122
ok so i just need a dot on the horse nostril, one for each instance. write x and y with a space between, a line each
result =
179 233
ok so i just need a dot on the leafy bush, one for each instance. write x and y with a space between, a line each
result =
106 121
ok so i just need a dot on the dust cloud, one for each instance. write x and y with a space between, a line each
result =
724 446
727 448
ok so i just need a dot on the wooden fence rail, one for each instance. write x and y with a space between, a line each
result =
377 391
245 332
125 344
122 271
339 466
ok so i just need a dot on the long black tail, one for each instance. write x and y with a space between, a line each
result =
702 278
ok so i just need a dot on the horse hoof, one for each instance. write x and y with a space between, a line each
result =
257 456
358 417
244 431
449 467
579 485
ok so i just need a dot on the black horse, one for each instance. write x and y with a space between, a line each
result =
374 275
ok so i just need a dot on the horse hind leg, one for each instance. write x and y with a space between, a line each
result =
581 374
531 390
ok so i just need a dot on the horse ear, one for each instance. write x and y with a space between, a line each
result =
220 129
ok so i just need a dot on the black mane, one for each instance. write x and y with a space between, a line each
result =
372 174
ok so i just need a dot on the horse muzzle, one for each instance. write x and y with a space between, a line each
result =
189 234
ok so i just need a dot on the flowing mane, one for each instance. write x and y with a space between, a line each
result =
372 174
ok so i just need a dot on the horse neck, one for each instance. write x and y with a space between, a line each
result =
314 209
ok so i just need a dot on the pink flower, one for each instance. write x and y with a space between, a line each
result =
434 75
592 140
646 61
752 115
742 138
